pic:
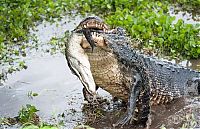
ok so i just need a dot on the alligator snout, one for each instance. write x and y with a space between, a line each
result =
79 63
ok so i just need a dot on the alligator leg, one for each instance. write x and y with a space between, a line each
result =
134 93
145 115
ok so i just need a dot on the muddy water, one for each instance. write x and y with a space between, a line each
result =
47 75
59 91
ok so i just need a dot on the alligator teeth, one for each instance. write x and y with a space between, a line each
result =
94 33
96 25
99 25
105 27
87 24
97 34
84 26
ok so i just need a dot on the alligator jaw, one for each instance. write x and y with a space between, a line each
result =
79 63
95 25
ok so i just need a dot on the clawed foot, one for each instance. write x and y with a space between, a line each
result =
123 121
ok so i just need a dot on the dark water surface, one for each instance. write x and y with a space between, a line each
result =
59 91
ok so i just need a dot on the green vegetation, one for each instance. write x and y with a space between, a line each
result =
57 44
158 32
32 94
28 119
144 19
149 21
41 127
28 114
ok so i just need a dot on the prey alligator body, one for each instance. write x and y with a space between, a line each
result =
138 79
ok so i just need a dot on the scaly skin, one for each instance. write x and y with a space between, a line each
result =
107 74
138 79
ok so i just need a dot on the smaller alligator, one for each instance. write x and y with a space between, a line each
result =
139 79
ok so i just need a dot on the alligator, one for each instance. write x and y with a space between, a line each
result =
138 79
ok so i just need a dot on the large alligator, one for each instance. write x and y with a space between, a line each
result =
113 65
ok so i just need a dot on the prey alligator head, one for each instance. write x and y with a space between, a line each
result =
84 36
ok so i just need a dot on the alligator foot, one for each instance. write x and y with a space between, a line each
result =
126 118
134 93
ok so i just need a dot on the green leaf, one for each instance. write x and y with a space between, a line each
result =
109 6
31 127
198 50
48 127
